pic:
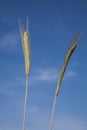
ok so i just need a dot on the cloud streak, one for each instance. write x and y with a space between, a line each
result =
64 121
9 40
50 75
47 75
69 122
70 74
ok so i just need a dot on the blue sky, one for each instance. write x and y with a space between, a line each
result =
52 24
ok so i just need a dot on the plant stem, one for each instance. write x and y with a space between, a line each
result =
53 110
25 103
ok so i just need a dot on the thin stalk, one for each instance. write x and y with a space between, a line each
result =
53 110
25 103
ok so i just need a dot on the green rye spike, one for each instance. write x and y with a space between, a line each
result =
73 45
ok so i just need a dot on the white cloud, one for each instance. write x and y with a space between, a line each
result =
9 40
70 73
69 122
50 75
40 120
62 122
10 86
45 75
9 128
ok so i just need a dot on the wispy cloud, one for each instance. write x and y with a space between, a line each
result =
9 128
45 74
9 40
38 119
64 121
50 75
10 87
69 74
69 122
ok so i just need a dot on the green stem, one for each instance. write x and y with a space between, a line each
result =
25 104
